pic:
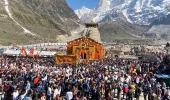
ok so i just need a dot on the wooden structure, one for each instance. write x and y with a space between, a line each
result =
82 50
69 59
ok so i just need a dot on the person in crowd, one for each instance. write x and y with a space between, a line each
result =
24 78
69 95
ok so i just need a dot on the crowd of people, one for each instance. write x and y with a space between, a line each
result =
23 78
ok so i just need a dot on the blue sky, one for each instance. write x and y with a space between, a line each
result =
76 4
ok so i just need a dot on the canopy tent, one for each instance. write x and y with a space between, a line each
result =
1 50
46 53
32 52
12 52
129 57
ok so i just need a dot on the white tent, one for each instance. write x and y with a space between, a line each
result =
46 53
12 52
129 57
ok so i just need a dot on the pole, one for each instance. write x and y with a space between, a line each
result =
1 60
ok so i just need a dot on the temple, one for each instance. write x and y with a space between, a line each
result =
92 31
84 49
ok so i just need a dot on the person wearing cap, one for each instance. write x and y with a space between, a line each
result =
125 90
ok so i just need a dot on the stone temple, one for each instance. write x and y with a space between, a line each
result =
91 31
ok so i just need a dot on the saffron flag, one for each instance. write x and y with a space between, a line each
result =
23 51
33 52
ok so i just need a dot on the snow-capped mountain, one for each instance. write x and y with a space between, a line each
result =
83 11
142 12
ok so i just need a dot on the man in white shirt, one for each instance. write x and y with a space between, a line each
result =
49 92
28 87
69 95
57 92
23 94
15 94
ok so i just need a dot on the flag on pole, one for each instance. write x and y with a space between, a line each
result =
33 52
23 51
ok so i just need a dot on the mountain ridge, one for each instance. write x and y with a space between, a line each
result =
45 18
142 12
146 14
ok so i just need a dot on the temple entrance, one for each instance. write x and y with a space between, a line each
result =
83 56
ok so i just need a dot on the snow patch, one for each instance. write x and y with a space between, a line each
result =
126 16
157 8
138 6
149 3
104 5
83 11
6 5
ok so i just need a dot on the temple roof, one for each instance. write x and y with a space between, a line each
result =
84 38
91 24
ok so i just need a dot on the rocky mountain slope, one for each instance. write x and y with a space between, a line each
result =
30 21
147 15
